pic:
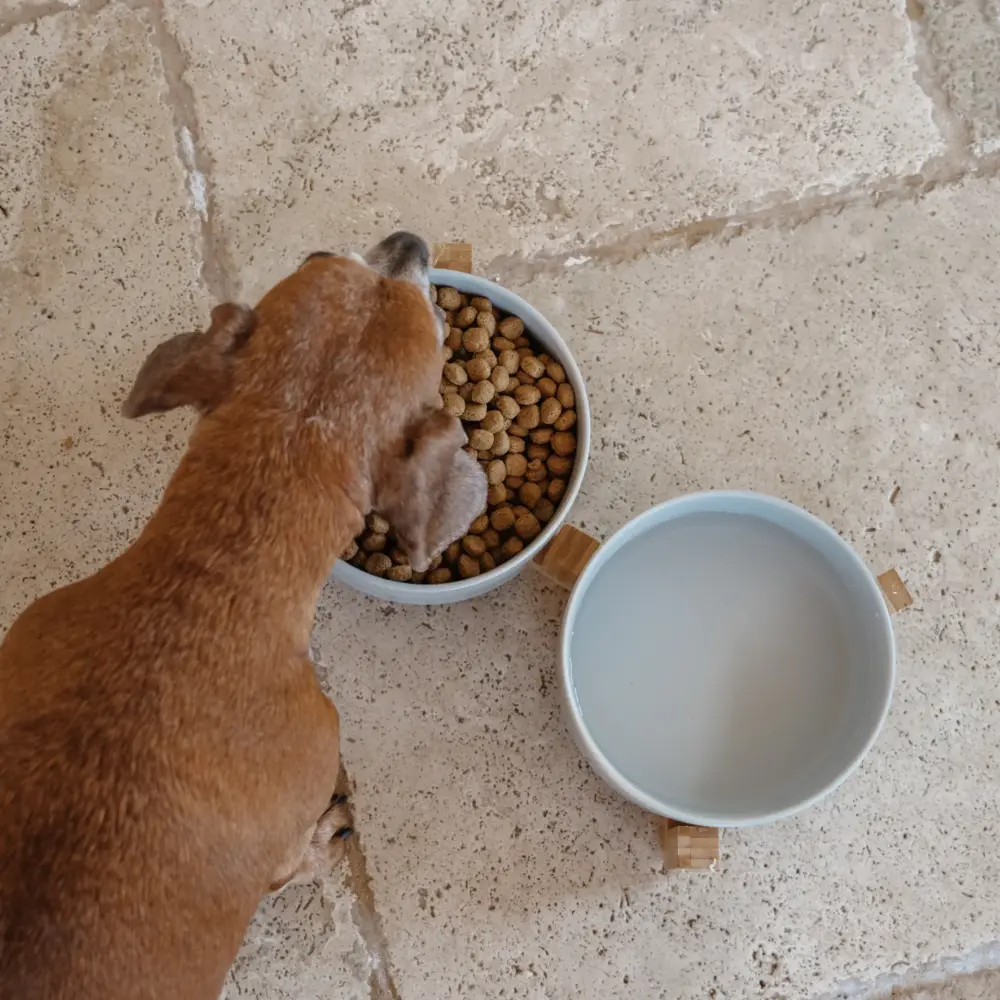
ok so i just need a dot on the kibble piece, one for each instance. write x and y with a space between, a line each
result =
546 387
511 494
378 524
525 395
513 482
566 396
487 355
350 552
449 298
401 573
549 410
454 339
556 489
496 494
563 443
473 545
559 465
374 542
474 412
378 564
467 566
454 404
502 344
481 440
502 518
516 465
453 552
532 366
555 371
517 445
484 391
491 537
480 524
566 420
527 527
487 562
511 360
493 421
537 451
501 442
487 321
445 387
544 510
475 338
511 327
529 417
522 341
511 547
477 369
529 494
518 430
465 316
456 373
496 472
398 556
480 302
484 456
536 471
508 406
500 377
440 575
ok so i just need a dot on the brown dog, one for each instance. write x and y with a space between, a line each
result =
166 753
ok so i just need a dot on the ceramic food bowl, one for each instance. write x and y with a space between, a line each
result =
544 334
726 659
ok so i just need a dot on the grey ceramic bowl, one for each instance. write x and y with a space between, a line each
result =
460 590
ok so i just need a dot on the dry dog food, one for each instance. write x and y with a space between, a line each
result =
519 411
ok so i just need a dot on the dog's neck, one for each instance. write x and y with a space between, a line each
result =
259 514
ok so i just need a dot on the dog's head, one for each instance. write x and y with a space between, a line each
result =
344 357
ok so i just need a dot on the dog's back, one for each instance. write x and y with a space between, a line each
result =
139 732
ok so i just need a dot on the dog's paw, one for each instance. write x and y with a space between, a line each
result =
327 846
329 842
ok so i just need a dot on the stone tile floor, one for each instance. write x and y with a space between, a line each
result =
769 232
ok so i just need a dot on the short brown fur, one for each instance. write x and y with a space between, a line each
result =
165 747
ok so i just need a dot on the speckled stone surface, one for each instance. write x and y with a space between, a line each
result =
97 264
823 365
963 37
528 126
769 234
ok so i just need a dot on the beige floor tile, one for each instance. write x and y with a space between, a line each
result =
829 365
963 41
96 266
527 126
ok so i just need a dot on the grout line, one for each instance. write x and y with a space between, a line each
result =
366 918
777 212
215 272
214 269
954 131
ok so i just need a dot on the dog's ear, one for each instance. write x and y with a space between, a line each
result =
191 369
432 494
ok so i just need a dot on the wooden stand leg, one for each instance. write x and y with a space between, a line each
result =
688 847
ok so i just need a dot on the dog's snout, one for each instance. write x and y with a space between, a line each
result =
403 255
407 248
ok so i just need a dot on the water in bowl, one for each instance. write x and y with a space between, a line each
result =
712 662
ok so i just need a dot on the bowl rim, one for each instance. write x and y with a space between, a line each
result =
633 528
456 590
